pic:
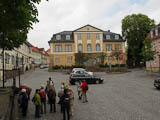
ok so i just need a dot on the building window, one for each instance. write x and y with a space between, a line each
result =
68 37
58 48
109 47
98 59
89 48
57 60
69 59
80 48
97 36
68 48
58 37
7 56
97 47
158 30
108 37
117 47
13 60
116 37
79 36
110 59
88 36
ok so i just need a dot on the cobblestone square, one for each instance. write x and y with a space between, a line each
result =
127 96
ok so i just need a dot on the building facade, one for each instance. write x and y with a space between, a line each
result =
19 58
154 35
92 41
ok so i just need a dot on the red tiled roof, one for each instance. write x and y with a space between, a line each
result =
35 49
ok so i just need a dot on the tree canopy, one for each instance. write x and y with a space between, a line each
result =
16 19
135 28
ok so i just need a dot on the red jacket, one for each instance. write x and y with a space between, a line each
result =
83 86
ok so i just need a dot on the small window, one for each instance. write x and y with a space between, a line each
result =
116 37
97 47
68 48
79 36
88 36
109 47
108 37
117 47
57 60
98 59
80 48
58 37
110 59
68 37
97 36
89 48
69 59
7 57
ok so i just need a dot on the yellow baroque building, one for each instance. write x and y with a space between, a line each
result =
89 40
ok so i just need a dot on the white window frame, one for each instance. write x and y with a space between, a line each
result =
89 47
97 36
108 37
57 60
69 59
68 48
110 58
58 37
81 48
109 48
68 37
98 47
79 36
116 37
58 48
88 36
119 46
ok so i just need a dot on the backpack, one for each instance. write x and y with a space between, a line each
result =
33 99
42 95
20 97
51 94
66 100
86 87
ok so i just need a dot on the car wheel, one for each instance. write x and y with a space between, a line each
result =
96 82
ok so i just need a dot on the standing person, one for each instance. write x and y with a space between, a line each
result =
52 98
43 99
47 89
79 90
71 96
23 101
51 81
37 102
84 87
65 104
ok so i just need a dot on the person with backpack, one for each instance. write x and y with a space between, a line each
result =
71 96
84 87
52 98
65 104
43 99
37 101
23 101
79 90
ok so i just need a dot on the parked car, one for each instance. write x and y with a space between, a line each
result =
43 66
157 83
80 71
89 78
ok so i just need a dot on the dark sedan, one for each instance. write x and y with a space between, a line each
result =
157 83
89 78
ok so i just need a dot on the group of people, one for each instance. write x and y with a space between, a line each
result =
47 95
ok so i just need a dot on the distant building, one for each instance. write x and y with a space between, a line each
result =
37 56
89 40
154 35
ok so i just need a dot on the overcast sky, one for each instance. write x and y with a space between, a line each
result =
62 15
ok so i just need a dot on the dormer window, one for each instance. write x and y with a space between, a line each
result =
108 37
68 37
116 37
58 37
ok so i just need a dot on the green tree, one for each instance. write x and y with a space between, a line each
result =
16 19
148 51
135 28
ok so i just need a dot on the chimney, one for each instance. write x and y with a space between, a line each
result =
108 30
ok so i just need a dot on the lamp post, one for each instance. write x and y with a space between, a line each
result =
3 68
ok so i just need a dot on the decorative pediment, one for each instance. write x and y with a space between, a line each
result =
88 28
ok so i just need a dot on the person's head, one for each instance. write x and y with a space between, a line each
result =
84 81
23 90
37 90
49 78
42 86
62 83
